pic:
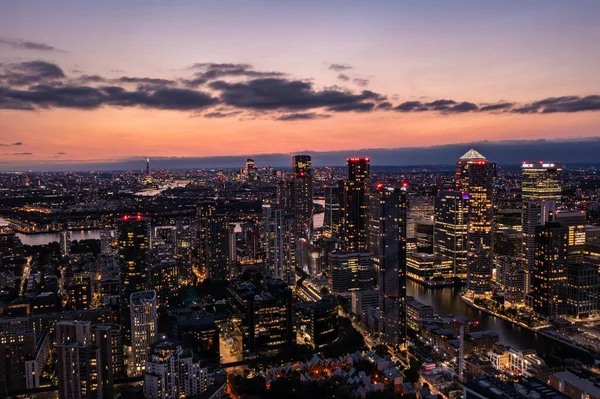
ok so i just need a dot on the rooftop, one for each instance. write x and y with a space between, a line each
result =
581 383
472 155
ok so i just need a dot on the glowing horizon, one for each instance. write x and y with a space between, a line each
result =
337 76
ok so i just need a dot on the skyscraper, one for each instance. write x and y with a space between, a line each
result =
351 271
332 220
144 320
541 181
391 258
278 230
65 243
549 282
174 372
213 243
133 240
303 193
477 177
80 292
535 213
355 206
82 372
450 229
285 196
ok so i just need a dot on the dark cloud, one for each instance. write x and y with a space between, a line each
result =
302 116
444 106
86 97
386 105
11 144
20 153
220 114
27 45
411 106
440 105
283 94
145 81
561 104
339 67
61 153
31 72
463 107
39 84
211 71
496 107
356 107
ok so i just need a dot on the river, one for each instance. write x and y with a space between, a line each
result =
446 301
45 238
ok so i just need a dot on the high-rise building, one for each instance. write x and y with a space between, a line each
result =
535 213
424 233
213 234
250 171
332 220
541 181
351 271
197 330
106 339
477 177
507 250
144 332
109 339
303 193
65 243
264 316
106 241
80 292
80 362
450 229
583 290
172 371
391 258
549 279
280 243
165 281
285 196
133 240
16 350
356 204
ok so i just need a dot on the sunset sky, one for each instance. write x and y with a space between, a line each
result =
112 80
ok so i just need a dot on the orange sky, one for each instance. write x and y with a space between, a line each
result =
481 53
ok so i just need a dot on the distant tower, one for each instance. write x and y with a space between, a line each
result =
477 177
147 167
303 193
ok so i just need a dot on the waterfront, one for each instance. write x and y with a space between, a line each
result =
446 301
45 238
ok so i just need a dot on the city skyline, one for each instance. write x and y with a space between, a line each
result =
290 77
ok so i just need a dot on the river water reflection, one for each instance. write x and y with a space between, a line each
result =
446 301
45 238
